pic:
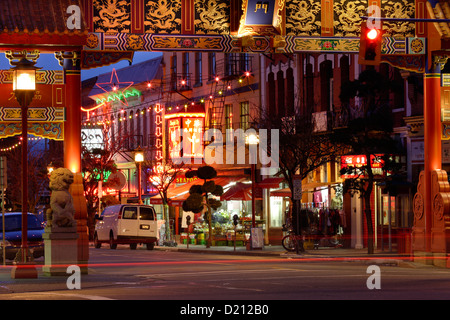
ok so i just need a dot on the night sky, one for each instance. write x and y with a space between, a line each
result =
48 62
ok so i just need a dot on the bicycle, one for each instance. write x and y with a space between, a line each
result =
292 242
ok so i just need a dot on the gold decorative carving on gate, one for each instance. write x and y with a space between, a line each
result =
419 199
347 21
112 15
404 9
163 16
212 17
303 18
440 220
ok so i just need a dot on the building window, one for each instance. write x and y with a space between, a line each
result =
245 115
119 125
173 72
228 116
145 126
198 68
138 122
185 61
211 65
245 62
125 125
326 76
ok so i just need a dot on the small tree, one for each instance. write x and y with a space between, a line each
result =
302 150
37 181
163 174
199 199
369 134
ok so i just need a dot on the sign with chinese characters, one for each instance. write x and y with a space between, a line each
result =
174 127
193 137
185 136
359 161
262 17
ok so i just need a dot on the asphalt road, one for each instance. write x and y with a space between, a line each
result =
230 280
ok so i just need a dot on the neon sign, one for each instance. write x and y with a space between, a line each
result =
119 96
174 126
193 137
358 162
159 110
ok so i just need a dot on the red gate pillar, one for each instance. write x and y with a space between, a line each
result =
72 126
72 151
432 160
432 141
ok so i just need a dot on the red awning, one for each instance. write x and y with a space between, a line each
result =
270 183
177 195
286 192
241 192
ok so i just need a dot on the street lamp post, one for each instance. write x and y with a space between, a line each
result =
253 141
139 158
24 86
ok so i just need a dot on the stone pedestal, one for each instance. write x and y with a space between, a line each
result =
61 250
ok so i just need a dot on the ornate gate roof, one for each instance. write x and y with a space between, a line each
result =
40 23
440 10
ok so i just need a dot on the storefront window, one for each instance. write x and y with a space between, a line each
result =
276 212
386 211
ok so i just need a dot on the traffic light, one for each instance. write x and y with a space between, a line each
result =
370 45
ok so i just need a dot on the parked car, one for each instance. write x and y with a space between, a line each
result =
126 224
13 235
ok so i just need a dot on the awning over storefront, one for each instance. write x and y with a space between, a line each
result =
241 192
270 183
177 195
286 192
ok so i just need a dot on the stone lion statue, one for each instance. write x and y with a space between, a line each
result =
61 210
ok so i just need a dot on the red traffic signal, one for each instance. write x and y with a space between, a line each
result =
370 45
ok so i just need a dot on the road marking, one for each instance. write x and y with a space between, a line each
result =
233 288
83 296
198 273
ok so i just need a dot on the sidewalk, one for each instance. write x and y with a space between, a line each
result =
278 251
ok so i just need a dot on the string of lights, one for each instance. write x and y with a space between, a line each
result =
96 118
19 143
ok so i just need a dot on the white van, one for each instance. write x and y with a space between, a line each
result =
126 224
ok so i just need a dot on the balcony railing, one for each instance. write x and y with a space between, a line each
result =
234 66
133 142
178 82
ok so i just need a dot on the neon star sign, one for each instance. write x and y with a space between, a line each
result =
118 88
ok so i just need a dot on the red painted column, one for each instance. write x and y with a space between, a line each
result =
432 141
72 126
72 153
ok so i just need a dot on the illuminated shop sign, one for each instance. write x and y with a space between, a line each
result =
359 161
92 138
174 127
185 135
193 137
159 114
